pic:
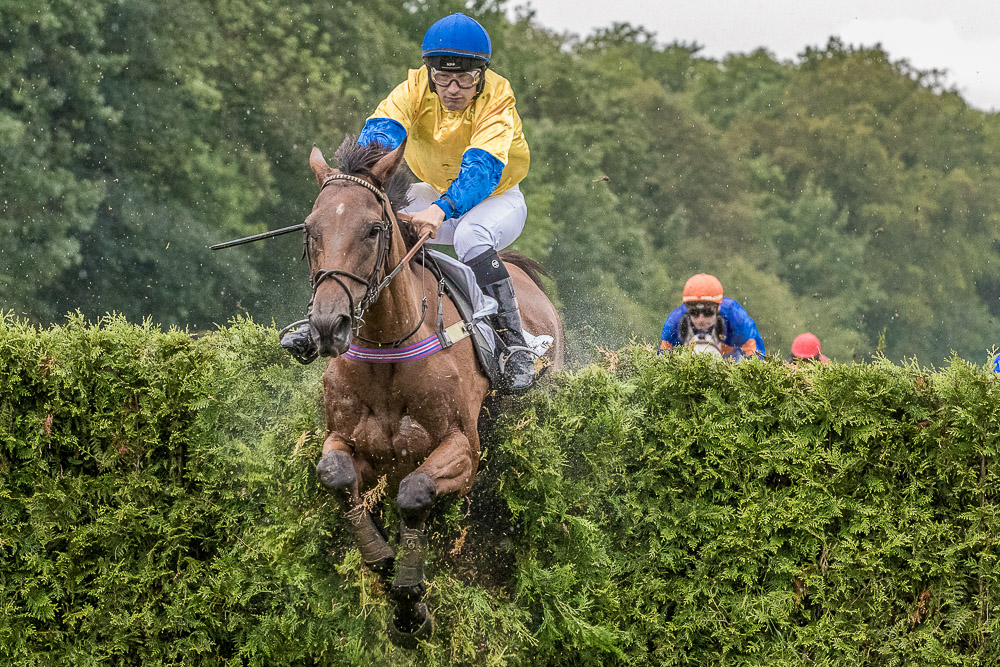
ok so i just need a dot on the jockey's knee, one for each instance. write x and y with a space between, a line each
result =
421 195
472 240
416 496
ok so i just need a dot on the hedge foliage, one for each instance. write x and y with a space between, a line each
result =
158 506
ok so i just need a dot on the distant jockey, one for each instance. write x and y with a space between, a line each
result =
996 364
465 144
705 311
806 347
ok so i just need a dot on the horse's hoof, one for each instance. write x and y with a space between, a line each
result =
409 640
336 470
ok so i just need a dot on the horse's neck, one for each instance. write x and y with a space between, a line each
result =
398 308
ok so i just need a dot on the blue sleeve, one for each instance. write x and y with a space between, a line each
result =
740 327
477 179
996 364
384 131
671 328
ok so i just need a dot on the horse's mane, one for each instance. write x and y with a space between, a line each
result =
357 160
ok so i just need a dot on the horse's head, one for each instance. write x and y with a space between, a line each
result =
349 238
706 343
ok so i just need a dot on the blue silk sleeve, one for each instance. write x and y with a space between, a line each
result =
740 327
671 328
383 131
477 179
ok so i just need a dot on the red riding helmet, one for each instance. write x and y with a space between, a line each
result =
806 346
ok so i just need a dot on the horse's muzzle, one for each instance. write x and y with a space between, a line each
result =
332 333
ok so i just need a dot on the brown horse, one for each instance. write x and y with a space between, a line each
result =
413 422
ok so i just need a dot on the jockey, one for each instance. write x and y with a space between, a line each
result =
704 310
465 143
996 364
806 347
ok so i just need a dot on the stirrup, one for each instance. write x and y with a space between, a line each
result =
517 379
509 351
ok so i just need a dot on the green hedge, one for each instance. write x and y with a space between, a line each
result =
159 506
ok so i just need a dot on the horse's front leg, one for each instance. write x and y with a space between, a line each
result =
450 468
338 471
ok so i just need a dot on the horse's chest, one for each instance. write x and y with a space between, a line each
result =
398 418
399 441
405 427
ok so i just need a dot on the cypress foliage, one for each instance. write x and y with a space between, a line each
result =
158 506
682 510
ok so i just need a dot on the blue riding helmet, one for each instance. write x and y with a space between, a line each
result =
460 36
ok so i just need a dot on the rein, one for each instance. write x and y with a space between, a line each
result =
373 287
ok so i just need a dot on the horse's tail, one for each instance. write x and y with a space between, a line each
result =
534 270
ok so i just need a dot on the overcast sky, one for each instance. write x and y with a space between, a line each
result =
961 36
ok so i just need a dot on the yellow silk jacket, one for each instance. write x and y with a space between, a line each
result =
437 138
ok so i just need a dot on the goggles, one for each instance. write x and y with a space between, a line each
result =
463 79
703 310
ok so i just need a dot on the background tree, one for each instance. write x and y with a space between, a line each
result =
842 192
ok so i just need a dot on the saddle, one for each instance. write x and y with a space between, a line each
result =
455 278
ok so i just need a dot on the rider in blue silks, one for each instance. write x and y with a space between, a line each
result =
996 364
706 311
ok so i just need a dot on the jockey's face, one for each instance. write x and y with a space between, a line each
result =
454 97
703 314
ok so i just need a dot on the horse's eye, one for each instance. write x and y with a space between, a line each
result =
375 231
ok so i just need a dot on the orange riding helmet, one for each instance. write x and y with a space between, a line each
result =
703 287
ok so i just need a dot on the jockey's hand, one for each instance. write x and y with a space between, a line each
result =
428 220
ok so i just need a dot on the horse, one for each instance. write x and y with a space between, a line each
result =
413 422
706 343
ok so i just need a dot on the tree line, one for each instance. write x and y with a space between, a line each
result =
844 192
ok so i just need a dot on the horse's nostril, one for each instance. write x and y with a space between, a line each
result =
332 333
341 327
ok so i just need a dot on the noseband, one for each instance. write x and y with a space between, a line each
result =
373 286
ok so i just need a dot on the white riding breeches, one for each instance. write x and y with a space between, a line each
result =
495 222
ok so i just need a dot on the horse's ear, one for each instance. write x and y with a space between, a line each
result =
319 165
388 165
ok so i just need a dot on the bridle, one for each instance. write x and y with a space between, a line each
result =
373 285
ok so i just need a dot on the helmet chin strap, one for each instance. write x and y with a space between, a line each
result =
482 81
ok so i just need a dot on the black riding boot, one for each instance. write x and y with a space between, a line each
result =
519 366
518 363
297 340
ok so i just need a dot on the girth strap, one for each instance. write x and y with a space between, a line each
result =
393 355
